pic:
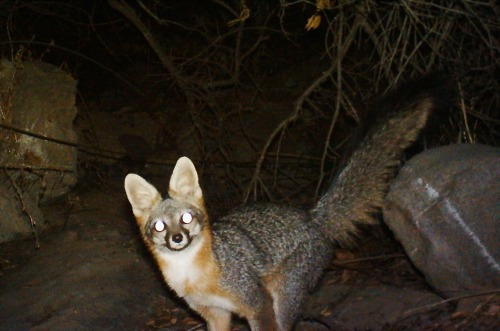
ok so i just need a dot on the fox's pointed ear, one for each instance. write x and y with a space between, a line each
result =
142 196
184 182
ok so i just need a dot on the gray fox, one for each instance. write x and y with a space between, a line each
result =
260 261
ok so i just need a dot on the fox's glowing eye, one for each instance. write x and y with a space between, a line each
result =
187 218
159 226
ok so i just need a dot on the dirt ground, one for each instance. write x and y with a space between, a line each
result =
95 274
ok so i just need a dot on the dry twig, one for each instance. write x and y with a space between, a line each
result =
25 210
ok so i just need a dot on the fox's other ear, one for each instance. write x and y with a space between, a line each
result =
142 196
184 182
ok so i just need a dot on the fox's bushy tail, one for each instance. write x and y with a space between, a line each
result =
359 189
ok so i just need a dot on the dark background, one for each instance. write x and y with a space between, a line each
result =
263 105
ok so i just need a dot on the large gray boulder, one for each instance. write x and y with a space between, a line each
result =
43 102
37 101
444 208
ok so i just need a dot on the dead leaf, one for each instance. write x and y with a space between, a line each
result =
313 22
323 4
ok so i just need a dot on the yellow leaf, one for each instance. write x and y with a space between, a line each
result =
313 22
323 4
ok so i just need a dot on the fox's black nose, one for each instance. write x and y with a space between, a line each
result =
177 238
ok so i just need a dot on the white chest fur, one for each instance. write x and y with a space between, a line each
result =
180 269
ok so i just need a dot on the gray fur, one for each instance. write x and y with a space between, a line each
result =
256 240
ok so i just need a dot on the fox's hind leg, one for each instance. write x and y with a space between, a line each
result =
290 284
263 318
